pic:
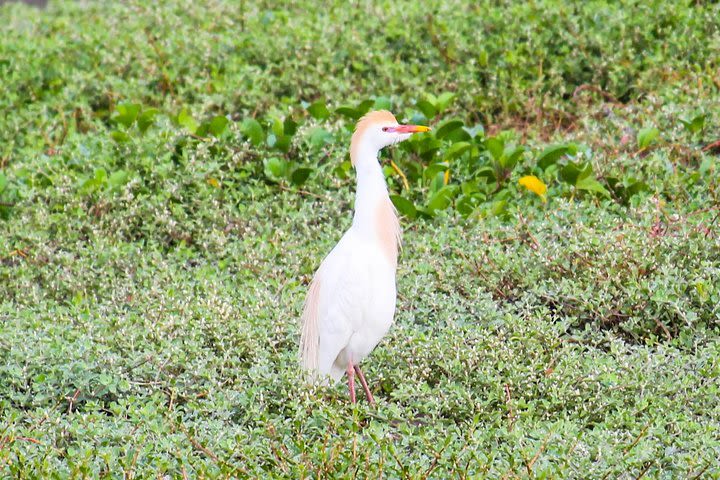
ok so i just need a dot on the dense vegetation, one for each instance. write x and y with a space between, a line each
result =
171 174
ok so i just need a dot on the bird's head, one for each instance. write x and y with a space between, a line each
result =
375 131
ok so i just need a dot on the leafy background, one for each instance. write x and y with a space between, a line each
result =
172 174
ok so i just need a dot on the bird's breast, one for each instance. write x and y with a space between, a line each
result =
387 228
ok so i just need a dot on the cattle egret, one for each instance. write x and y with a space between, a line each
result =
351 300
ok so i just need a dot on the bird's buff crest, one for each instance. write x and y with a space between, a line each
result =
368 120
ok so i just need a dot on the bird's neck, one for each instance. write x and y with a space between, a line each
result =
375 217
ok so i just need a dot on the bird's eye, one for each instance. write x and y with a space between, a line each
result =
385 129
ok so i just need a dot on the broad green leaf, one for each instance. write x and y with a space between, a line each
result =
348 111
510 156
495 146
289 126
486 172
218 125
694 124
458 135
278 128
126 113
186 120
633 187
300 175
466 204
282 142
574 172
319 137
404 206
364 106
427 108
444 100
382 103
432 170
253 131
118 179
119 136
438 181
147 119
647 136
447 127
475 131
275 168
551 155
441 199
3 182
591 185
456 150
499 208
319 110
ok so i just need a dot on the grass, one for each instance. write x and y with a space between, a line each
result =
151 276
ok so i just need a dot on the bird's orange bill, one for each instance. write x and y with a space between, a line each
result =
409 129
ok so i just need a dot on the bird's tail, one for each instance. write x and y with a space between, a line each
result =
310 337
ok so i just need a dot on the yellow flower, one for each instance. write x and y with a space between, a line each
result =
535 185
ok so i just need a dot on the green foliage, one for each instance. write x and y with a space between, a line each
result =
172 173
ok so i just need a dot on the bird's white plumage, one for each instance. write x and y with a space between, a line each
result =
351 302
356 302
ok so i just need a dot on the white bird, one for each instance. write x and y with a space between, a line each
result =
351 300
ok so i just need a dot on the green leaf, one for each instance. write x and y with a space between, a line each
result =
364 106
496 147
319 137
289 126
475 130
382 103
498 208
466 204
282 142
432 170
647 136
448 127
510 156
551 155
427 108
185 119
275 168
486 172
217 125
118 179
300 175
126 113
348 111
404 206
318 110
695 124
591 185
441 199
456 150
574 172
438 182
3 182
444 100
120 137
253 131
147 119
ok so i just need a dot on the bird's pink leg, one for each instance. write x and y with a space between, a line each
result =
351 381
368 395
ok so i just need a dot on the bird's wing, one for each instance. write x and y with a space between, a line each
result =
342 292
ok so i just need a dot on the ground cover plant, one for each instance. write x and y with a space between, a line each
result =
171 175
